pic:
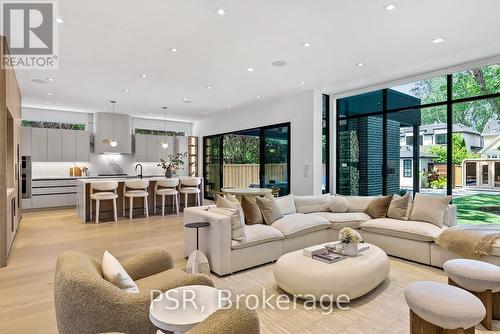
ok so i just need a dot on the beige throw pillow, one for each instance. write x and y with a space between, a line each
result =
398 209
238 231
308 204
338 204
286 204
429 208
251 210
378 206
270 210
113 272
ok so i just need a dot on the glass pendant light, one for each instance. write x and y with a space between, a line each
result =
164 142
112 141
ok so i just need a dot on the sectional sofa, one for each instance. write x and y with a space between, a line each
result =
411 240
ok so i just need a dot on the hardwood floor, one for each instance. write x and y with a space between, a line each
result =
26 284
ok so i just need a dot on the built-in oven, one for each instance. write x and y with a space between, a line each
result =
26 176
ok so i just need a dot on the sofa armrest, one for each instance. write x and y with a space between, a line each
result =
229 321
215 240
148 263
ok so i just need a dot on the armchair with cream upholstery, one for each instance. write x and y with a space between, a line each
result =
86 303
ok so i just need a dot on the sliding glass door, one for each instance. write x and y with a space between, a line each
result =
258 157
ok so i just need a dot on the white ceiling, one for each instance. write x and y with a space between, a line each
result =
105 45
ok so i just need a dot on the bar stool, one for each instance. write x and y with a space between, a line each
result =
139 188
190 185
106 190
167 187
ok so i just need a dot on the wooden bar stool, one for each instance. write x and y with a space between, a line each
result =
167 187
138 189
480 278
190 185
437 308
106 190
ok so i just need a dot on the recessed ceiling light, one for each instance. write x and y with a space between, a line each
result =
209 87
438 40
250 69
47 102
302 82
174 50
49 94
143 75
279 63
257 97
59 20
50 79
220 11
360 64
306 44
390 7
229 106
186 100
39 81
125 90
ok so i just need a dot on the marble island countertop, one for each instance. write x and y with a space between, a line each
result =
94 177
125 178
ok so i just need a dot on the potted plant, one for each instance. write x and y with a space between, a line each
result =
349 239
175 163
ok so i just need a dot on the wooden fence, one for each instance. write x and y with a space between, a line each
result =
243 175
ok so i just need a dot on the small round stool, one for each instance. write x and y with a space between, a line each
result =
480 278
435 307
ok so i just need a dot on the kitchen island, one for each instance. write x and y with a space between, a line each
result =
106 208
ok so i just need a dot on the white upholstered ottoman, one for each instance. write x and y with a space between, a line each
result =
435 306
480 278
354 277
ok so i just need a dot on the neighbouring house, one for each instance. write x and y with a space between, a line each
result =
491 138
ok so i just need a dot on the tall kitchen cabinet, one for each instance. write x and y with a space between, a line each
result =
148 149
10 121
55 145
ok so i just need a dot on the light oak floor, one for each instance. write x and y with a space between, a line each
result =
26 284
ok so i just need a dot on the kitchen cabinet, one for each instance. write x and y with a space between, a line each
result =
82 146
26 141
141 143
152 149
68 145
148 149
39 144
104 125
54 145
53 193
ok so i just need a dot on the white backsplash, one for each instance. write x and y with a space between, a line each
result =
98 164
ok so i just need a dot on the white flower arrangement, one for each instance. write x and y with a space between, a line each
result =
349 236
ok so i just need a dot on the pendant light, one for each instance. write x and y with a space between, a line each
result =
164 142
112 141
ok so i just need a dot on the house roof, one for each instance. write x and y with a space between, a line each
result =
408 153
430 128
492 127
493 145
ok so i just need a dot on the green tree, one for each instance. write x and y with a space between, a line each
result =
459 151
474 82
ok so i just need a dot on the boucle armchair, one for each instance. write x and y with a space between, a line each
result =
86 303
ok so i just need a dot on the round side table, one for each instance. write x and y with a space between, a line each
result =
197 261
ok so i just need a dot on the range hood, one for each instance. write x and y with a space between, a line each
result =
103 129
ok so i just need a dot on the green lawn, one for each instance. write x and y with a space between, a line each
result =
468 209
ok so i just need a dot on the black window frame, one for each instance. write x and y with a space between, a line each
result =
407 170
326 120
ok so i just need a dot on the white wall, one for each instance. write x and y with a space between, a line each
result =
301 110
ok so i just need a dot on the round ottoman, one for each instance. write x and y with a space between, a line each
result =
354 277
439 305
480 278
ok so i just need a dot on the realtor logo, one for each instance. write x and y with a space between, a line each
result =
31 34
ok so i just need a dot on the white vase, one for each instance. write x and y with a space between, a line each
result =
350 249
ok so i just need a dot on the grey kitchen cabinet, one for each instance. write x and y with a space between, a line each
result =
39 144
152 151
163 153
141 144
82 146
54 145
68 145
26 141
53 193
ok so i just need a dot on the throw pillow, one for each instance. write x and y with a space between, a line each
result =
308 204
338 204
378 206
398 209
429 208
251 210
286 204
238 231
270 210
232 198
114 273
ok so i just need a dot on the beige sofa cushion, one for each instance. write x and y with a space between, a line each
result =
113 272
286 204
338 204
308 204
270 210
378 206
413 230
251 210
347 219
238 227
358 203
300 223
258 234
429 208
398 209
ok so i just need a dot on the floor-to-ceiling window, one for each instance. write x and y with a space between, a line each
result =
439 136
325 144
258 157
